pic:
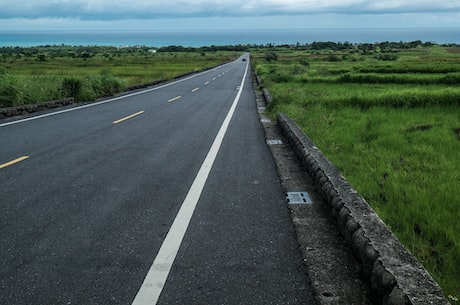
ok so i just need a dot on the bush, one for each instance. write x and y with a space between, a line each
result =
387 57
10 92
71 86
304 62
91 87
333 58
8 95
109 85
271 56
281 77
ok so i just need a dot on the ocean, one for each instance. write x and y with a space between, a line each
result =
226 37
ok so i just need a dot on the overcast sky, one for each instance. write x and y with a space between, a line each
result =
225 14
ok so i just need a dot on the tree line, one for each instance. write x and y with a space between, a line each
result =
66 50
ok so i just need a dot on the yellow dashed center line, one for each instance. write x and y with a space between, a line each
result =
13 162
128 117
174 99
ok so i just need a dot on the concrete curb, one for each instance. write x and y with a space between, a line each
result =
395 275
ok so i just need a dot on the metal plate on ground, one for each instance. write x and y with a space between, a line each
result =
274 142
298 198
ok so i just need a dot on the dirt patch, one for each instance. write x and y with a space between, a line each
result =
454 50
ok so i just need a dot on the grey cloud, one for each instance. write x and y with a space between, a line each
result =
144 9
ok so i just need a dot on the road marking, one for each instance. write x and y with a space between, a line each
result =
206 83
174 99
274 142
196 89
214 78
13 161
155 280
128 117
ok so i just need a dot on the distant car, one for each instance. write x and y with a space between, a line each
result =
244 59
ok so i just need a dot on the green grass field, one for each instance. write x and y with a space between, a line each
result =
49 73
392 127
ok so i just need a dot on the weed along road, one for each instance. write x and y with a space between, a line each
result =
163 196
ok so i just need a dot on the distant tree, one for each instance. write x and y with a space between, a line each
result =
269 56
85 55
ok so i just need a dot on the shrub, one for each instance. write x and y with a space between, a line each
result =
281 77
91 87
8 95
304 62
71 86
333 58
271 56
109 84
387 57
10 92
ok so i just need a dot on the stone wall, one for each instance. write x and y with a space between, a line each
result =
25 109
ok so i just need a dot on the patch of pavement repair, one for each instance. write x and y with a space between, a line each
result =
332 268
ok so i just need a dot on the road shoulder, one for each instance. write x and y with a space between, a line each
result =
334 272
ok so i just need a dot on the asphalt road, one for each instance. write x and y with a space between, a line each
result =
88 196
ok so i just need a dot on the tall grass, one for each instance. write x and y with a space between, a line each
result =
20 90
28 79
365 96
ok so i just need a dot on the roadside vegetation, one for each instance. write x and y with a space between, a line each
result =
388 116
33 75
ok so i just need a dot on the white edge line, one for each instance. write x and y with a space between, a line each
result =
155 280
107 101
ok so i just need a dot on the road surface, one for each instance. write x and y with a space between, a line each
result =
164 196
